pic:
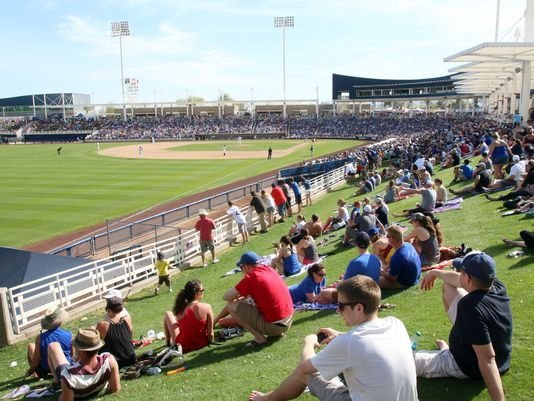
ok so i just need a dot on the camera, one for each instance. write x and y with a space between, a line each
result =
320 337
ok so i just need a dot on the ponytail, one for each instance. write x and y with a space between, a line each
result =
186 296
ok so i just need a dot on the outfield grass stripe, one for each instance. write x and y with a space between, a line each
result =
93 187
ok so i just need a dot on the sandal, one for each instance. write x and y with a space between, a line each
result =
386 306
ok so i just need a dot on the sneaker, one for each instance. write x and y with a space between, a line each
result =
215 261
156 291
204 265
170 289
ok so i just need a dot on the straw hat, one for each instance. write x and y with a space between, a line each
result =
203 212
53 318
87 339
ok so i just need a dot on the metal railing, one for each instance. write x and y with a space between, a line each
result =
115 237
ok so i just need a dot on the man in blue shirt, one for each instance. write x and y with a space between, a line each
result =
463 173
296 191
365 264
405 265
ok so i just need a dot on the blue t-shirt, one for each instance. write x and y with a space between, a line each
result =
295 188
366 265
307 184
467 171
306 286
59 335
406 264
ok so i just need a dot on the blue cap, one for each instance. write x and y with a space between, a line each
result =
477 264
248 258
373 231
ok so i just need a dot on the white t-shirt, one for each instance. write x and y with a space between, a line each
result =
268 200
517 171
236 214
376 360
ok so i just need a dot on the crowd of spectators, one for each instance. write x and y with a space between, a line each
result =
11 125
413 146
340 126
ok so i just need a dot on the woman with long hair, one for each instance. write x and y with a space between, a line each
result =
286 261
424 239
309 289
190 323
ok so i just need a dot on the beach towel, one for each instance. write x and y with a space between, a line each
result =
452 204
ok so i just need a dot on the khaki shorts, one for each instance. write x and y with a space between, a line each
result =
252 316
206 244
434 364
333 390
453 307
441 363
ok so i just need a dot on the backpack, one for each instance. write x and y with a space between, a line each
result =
167 359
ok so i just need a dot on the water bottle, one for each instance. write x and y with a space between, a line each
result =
152 371
151 334
415 340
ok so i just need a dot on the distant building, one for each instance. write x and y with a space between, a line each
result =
368 89
46 105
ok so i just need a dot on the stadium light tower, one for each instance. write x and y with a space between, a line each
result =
284 22
120 29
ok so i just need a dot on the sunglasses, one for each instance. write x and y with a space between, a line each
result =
341 305
321 274
202 290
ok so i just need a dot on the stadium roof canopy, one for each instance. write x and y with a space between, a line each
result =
18 266
346 87
491 66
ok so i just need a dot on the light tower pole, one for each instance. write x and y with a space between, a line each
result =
120 29
284 22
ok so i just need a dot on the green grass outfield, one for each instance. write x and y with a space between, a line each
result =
43 195
229 372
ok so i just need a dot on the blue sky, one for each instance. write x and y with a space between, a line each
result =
203 46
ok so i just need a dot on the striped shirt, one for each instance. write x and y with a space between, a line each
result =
85 381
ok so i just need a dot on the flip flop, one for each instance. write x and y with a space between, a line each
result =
386 306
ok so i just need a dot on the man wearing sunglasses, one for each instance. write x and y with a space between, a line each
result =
374 356
480 341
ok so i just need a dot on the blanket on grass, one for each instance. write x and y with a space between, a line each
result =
452 204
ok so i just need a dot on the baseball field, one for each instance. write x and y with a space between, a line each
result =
45 193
